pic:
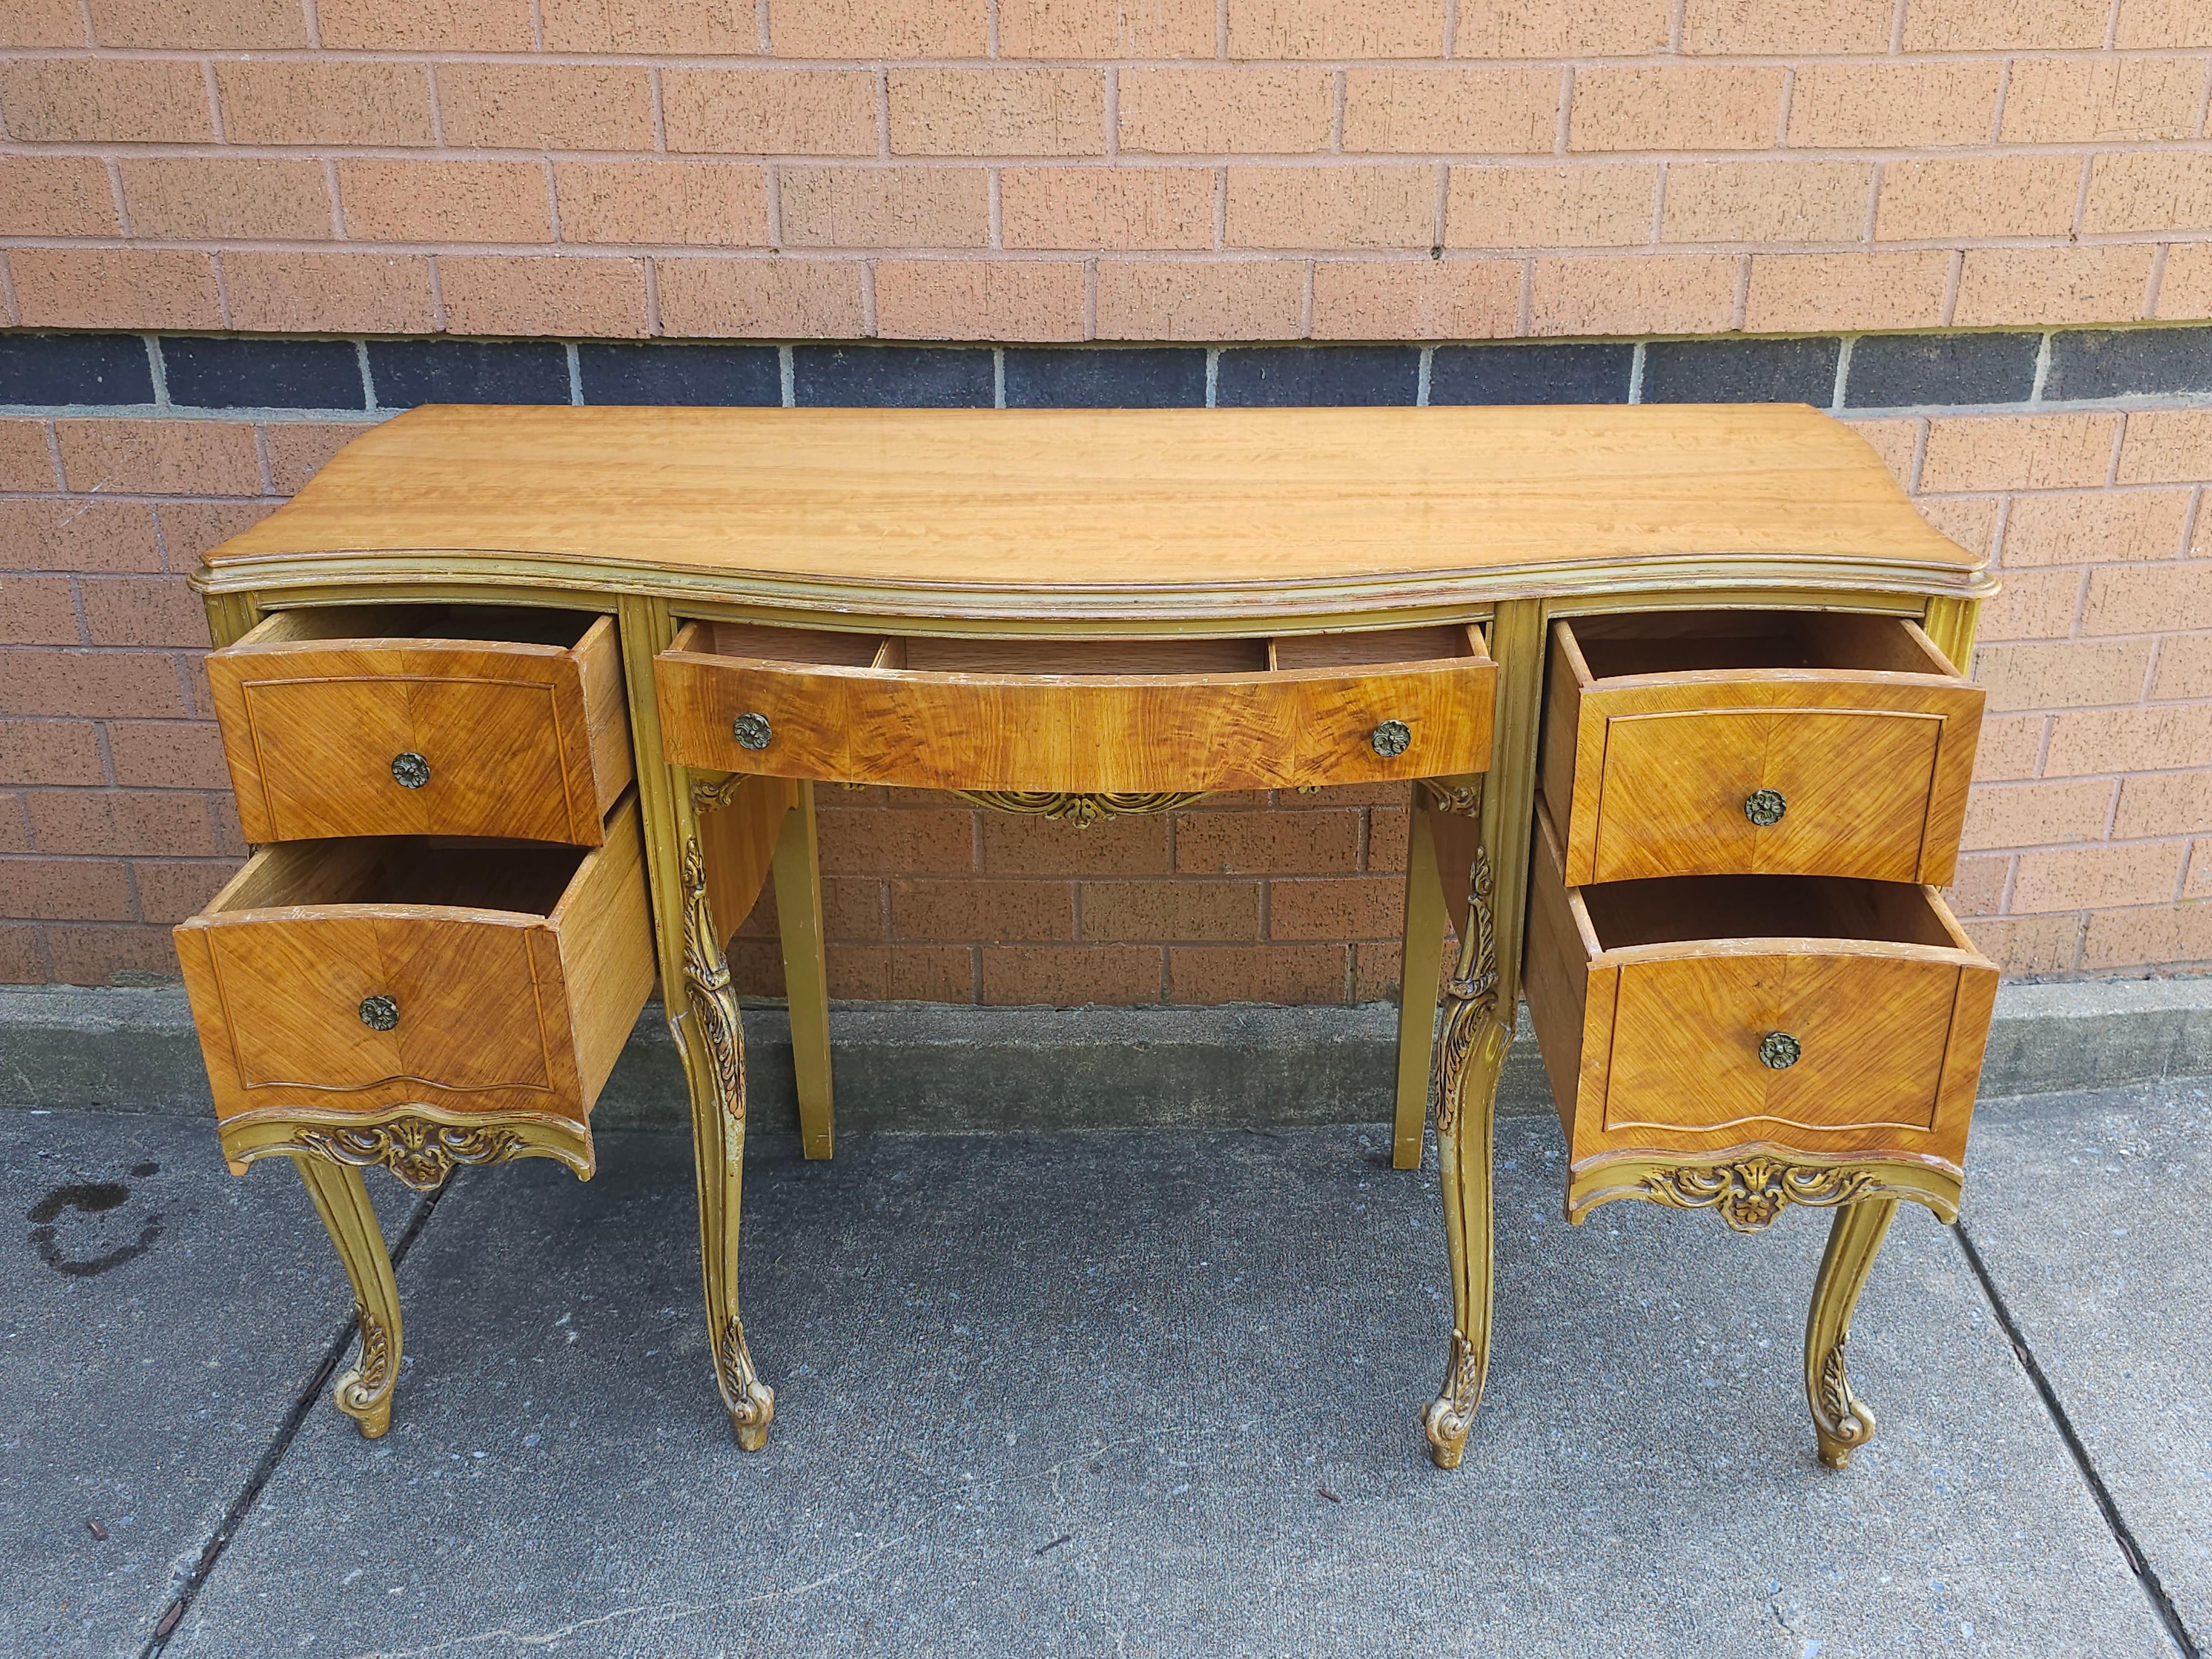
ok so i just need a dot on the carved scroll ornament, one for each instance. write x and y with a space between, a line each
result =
1752 1192
1451 1413
420 1153
708 988
1470 1000
750 1401
1842 1419
1080 810
706 796
1463 799
361 1391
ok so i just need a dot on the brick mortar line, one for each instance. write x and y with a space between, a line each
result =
768 62
125 149
129 149
1395 254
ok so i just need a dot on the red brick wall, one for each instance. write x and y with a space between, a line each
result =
1111 169
2089 842
1212 171
1241 900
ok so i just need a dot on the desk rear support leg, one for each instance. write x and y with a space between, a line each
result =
797 872
1422 959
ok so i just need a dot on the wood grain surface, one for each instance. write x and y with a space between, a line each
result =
1070 499
1090 714
517 970
1650 1000
1659 728
525 738
737 841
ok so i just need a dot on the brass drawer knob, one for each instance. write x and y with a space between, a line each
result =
1391 740
411 769
379 1013
1779 1051
753 731
1765 806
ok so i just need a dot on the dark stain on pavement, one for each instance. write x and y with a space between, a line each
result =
88 1198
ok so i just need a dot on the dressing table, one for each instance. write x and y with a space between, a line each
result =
525 706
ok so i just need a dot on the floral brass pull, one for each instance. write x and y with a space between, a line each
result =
1778 1051
379 1013
1391 740
1765 806
411 769
752 731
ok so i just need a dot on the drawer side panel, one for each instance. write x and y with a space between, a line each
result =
1556 981
605 927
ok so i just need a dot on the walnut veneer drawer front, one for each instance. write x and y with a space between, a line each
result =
1802 743
1134 715
358 974
424 719
1695 1013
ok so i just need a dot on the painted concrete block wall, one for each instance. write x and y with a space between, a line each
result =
233 232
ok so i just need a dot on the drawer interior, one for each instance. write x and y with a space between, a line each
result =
516 624
1682 910
525 877
1441 643
1690 641
1163 655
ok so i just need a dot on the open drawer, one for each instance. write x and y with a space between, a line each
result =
356 976
1783 743
1120 715
424 719
1696 1013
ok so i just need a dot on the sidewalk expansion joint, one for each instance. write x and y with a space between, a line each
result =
2130 1551
340 1344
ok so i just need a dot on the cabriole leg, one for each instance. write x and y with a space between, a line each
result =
712 1042
702 1015
1470 1053
364 1394
1840 1420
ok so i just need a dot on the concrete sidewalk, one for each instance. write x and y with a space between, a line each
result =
1138 1392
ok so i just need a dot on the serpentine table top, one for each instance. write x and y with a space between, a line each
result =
1136 517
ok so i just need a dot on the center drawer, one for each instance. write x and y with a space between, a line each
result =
424 719
360 975
1696 1013
1783 743
1112 715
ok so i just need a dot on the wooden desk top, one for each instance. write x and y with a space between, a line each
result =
1082 513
